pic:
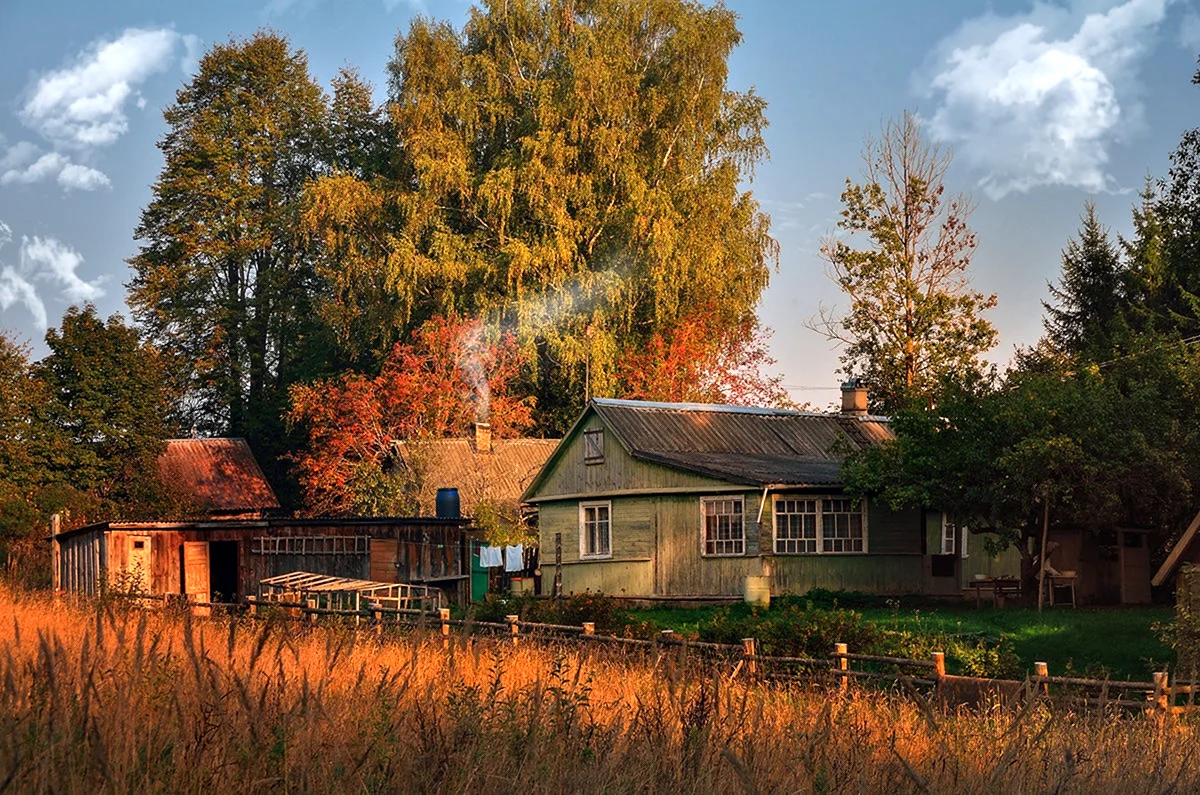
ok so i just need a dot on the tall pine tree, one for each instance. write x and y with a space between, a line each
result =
1088 300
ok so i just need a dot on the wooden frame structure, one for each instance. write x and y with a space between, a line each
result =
346 593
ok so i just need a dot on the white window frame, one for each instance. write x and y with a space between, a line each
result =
819 499
583 553
949 539
588 435
704 501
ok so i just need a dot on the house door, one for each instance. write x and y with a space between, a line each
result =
138 567
195 570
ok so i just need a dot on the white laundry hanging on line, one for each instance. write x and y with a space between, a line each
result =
490 557
514 558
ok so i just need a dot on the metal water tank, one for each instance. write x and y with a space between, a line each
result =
447 504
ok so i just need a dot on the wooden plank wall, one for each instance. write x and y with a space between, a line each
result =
618 472
664 531
81 563
424 551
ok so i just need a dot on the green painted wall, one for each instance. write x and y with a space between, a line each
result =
659 536
619 472
616 578
978 561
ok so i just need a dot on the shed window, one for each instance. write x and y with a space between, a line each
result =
818 525
595 530
139 544
593 446
724 528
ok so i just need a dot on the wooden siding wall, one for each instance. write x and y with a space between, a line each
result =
619 472
81 563
979 561
656 550
425 552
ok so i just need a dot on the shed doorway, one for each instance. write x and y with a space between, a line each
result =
223 571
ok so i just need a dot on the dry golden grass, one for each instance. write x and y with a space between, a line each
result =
96 700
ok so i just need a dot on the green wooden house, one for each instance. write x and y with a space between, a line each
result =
683 500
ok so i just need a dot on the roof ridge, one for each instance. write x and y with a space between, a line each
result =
727 408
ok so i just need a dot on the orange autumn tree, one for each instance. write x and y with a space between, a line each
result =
448 376
699 361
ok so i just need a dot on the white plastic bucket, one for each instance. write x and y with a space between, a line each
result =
758 591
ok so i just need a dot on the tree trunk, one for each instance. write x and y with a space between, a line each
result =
1042 555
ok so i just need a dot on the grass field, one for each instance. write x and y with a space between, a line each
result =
102 700
1121 643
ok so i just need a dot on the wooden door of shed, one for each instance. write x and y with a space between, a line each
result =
383 560
195 570
1135 568
138 562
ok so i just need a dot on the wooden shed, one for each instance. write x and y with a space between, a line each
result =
216 478
224 559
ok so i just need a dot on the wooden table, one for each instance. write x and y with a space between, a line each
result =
999 588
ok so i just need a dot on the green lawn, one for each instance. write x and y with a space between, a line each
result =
1123 643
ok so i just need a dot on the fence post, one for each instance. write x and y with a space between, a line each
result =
843 664
253 607
1042 670
516 627
750 654
1162 693
444 617
589 628
939 667
668 635
377 618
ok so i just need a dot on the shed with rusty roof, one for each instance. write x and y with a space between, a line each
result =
216 478
688 500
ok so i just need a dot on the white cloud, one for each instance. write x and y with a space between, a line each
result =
1038 99
47 259
83 105
1189 31
24 164
190 61
16 289
77 177
47 166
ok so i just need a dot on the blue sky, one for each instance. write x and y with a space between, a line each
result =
1045 105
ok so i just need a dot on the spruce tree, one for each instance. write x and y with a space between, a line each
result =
1088 298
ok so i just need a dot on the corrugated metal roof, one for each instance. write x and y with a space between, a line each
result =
218 474
745 445
500 475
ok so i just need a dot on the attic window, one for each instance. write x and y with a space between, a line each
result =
593 446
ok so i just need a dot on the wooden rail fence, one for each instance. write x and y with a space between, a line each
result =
1162 694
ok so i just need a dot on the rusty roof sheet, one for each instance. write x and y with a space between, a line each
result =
220 475
755 446
500 475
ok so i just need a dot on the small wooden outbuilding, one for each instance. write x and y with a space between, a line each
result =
225 559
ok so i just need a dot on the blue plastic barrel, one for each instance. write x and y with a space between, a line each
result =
447 504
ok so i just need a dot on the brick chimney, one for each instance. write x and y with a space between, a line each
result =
854 398
483 437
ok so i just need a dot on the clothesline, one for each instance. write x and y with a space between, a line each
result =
512 558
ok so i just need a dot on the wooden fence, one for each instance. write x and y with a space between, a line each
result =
1162 694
